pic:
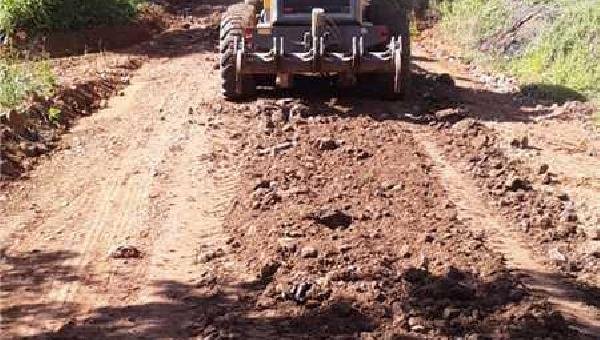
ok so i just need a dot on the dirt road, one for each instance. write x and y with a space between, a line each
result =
174 214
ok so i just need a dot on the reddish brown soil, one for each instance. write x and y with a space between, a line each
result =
170 213
351 226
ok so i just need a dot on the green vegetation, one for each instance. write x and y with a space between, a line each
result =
568 51
46 15
20 78
54 114
469 22
561 57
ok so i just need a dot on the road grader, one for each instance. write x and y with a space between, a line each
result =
349 40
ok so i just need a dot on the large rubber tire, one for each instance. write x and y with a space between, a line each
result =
395 14
234 20
258 4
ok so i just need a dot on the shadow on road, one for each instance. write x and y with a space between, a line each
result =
26 277
454 304
430 93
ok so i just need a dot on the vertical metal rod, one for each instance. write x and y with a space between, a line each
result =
362 46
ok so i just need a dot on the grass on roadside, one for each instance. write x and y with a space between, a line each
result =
49 15
469 22
562 58
20 78
568 51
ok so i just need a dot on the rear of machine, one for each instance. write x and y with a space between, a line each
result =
347 38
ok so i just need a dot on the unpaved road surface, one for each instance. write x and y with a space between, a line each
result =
175 214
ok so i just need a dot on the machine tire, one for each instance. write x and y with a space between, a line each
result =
395 14
234 20
258 4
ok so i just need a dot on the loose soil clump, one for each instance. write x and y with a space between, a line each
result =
360 234
528 197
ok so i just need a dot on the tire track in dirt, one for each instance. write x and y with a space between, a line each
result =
113 204
472 207
190 232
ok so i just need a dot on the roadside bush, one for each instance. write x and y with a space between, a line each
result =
469 22
20 78
545 42
45 15
568 51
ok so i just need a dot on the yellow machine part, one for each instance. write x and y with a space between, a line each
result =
267 4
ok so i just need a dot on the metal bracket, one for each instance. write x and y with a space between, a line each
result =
318 48
397 58
358 51
238 50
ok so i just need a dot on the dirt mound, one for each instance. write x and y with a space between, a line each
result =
529 197
358 235
29 134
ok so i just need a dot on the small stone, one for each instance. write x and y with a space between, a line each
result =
568 216
521 143
593 250
16 120
262 184
269 124
413 320
298 111
125 252
279 116
269 269
284 101
446 79
565 229
300 291
211 255
344 248
418 328
451 313
428 238
282 146
543 169
363 155
405 251
309 252
452 115
514 183
416 324
325 144
332 218
556 255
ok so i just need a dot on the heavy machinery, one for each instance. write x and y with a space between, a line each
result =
348 39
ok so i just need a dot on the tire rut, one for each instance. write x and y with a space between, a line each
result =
472 207
108 206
